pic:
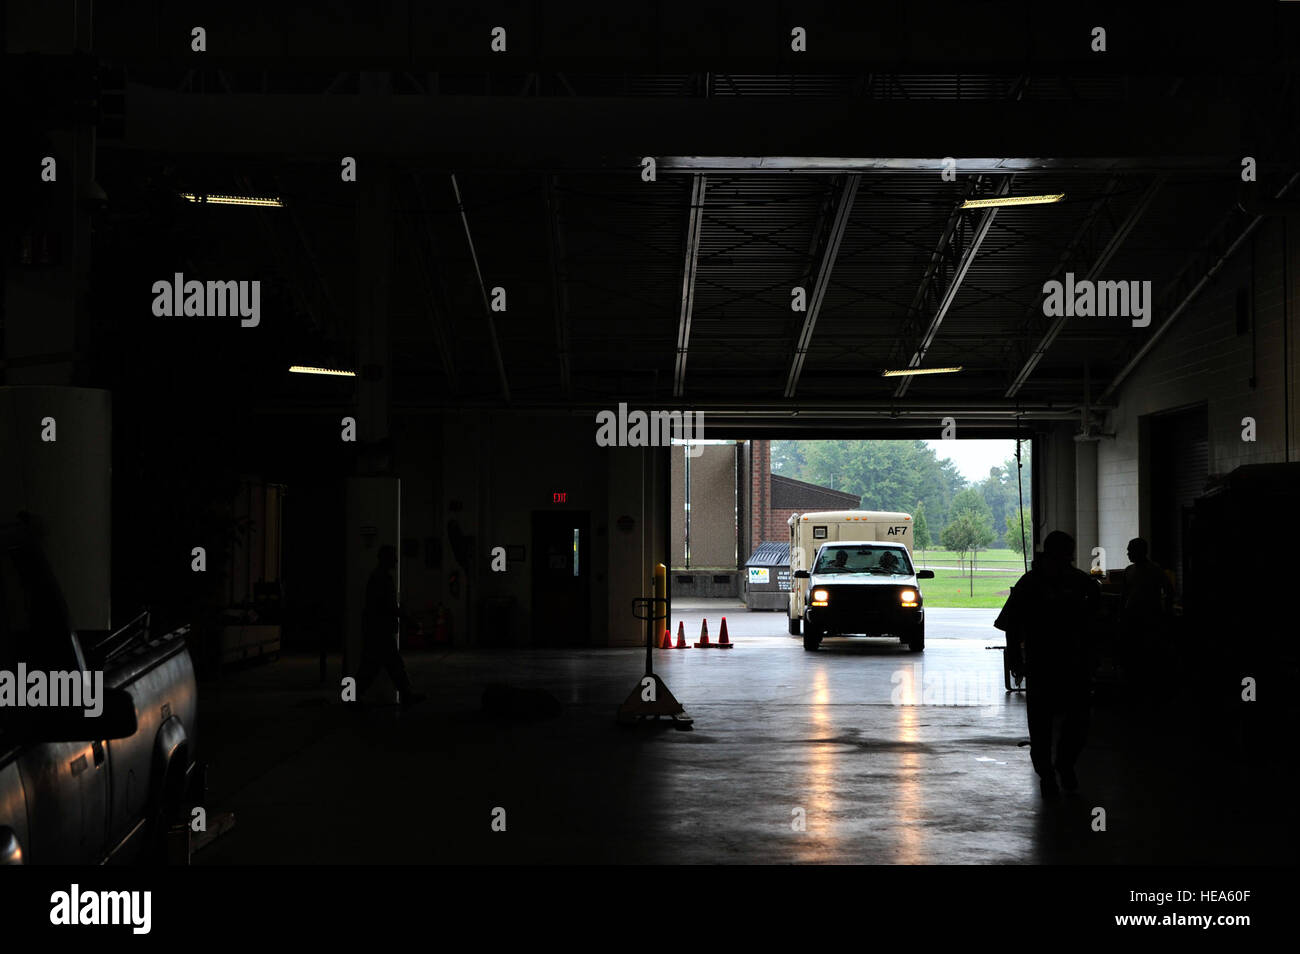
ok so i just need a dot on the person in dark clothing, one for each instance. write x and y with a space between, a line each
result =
1048 619
381 617
1146 599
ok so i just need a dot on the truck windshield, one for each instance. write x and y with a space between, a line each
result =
887 561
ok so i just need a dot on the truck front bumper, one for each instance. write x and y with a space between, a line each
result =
866 622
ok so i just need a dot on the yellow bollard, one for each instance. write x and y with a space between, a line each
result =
661 592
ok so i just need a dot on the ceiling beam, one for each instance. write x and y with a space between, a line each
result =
614 133
559 283
959 274
1117 239
942 252
843 209
424 250
1195 275
694 228
487 305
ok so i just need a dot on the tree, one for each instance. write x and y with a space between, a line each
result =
884 474
1001 491
920 528
968 532
1013 530
982 537
787 459
971 501
959 536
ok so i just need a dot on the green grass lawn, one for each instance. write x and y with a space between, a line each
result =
949 589
1002 558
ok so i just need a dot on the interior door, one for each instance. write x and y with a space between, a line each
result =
561 578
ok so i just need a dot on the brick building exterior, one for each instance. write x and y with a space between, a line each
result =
774 498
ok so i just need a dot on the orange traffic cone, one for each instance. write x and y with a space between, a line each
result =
667 641
723 641
704 636
681 636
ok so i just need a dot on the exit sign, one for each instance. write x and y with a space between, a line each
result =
560 497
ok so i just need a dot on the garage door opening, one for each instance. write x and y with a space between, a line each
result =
969 504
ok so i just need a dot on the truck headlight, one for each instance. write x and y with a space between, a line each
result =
820 597
907 597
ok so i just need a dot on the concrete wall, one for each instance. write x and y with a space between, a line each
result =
65 484
1054 484
678 555
712 529
489 473
1202 357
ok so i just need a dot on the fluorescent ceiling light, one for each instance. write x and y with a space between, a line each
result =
307 369
1012 200
271 202
907 371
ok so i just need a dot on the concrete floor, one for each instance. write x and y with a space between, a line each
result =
889 756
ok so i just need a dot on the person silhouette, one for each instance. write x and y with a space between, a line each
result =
1048 618
1146 598
381 617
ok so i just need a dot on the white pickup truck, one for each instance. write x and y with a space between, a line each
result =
852 574
77 788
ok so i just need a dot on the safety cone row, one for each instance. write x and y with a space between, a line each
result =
724 642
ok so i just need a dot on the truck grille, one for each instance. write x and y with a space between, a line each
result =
862 599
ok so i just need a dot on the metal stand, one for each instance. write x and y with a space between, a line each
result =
1006 672
650 698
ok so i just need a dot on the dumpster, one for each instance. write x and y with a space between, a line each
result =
767 577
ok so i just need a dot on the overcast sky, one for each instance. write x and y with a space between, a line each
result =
974 458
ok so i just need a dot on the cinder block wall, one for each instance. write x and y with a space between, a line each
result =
1202 356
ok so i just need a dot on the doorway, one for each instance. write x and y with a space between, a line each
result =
1180 455
561 577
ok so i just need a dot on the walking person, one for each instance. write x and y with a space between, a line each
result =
1048 619
381 617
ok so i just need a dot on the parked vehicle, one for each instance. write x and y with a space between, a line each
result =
79 789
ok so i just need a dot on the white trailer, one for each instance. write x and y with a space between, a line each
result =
808 531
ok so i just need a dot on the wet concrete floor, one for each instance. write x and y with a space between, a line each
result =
859 753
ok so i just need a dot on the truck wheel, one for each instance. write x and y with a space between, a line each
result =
811 641
794 626
916 638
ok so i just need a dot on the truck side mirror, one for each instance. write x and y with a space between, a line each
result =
925 574
116 721
11 852
802 575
